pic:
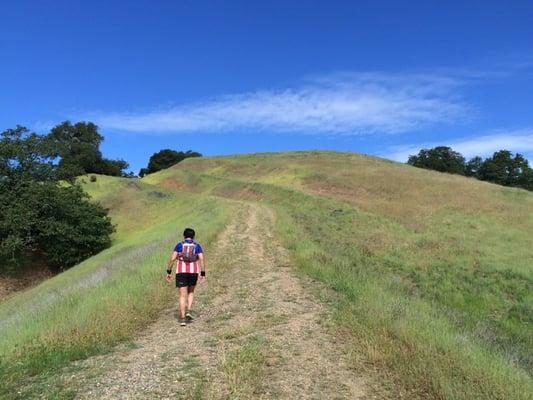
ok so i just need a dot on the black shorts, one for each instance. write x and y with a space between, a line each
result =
186 279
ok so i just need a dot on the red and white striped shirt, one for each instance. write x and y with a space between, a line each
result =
191 267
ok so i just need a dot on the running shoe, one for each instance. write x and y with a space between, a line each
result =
183 322
189 317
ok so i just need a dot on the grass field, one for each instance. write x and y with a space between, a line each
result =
431 273
434 271
91 307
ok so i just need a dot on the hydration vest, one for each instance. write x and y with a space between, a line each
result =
188 253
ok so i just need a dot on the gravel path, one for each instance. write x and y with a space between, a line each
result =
260 333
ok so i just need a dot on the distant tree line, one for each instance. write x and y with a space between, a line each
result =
46 216
502 168
166 158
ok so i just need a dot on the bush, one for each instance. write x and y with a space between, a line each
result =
59 223
93 178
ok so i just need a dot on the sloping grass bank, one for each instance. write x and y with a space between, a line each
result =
104 300
435 351
443 304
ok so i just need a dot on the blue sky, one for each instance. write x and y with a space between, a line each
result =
378 77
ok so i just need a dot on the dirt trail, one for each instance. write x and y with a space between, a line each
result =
258 334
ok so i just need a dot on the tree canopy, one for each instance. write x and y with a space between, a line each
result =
502 168
440 158
166 158
41 216
78 147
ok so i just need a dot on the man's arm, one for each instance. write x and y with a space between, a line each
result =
173 258
201 262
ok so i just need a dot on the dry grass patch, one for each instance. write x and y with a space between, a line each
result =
242 368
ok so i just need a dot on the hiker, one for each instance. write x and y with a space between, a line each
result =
190 263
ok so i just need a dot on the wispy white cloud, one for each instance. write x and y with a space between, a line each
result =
519 141
342 103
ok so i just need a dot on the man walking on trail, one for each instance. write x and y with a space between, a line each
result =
190 262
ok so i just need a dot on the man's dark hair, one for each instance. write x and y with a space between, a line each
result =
189 233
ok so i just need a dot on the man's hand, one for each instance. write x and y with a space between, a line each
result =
168 278
202 279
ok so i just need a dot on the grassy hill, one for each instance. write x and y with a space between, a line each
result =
431 273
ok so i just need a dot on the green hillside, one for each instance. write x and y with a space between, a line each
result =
431 273
102 301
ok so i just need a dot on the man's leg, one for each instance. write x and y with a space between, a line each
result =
190 297
183 301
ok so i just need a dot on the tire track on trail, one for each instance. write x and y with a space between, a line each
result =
258 334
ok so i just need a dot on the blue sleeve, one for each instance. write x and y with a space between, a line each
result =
179 247
198 249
